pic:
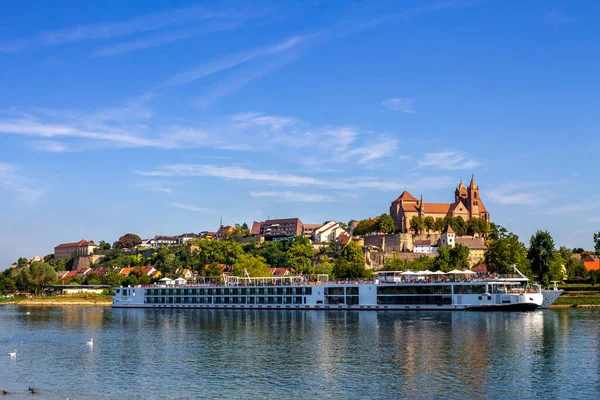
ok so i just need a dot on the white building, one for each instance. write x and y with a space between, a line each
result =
328 232
160 241
448 237
424 247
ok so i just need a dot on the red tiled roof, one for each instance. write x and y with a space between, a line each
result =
472 243
448 229
422 242
283 221
481 268
437 208
255 228
405 196
81 243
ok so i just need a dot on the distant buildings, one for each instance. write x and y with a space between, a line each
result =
467 204
224 232
329 232
80 249
278 228
591 263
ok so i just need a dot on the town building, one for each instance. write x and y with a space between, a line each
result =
308 230
186 237
591 263
467 204
278 228
476 247
82 248
224 232
424 247
328 232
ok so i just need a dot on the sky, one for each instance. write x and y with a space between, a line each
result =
158 117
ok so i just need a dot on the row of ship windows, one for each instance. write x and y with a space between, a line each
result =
226 300
415 300
230 291
458 289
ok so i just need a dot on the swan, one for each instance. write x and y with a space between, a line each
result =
13 354
28 312
91 342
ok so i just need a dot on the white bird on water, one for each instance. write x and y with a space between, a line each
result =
13 354
91 342
28 312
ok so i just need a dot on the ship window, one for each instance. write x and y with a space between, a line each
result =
352 290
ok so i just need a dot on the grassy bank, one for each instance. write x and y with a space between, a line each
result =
583 300
75 299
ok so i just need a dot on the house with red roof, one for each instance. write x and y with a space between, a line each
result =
78 249
591 263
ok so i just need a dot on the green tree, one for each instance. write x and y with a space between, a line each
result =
429 223
240 231
416 224
350 263
597 243
438 225
299 257
365 227
254 265
22 262
505 250
385 224
128 241
324 266
541 256
213 270
7 285
104 245
442 262
394 264
459 256
41 275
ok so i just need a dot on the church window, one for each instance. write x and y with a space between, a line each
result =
475 194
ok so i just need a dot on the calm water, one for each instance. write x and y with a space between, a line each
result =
142 354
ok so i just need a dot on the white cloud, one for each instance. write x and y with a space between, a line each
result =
188 207
159 40
271 122
154 187
398 104
583 206
448 160
557 18
522 193
230 172
11 181
295 197
233 60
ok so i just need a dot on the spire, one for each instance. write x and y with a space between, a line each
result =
472 185
221 223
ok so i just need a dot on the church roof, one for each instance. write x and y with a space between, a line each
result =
437 208
472 185
406 197
448 229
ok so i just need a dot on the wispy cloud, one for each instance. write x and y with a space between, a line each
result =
398 104
295 197
147 23
557 18
522 193
189 207
160 39
234 60
582 206
231 172
11 181
447 160
246 174
154 187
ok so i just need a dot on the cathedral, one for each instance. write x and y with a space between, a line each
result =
467 204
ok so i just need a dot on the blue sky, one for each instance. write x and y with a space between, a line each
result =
158 118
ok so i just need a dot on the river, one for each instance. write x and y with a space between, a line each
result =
256 354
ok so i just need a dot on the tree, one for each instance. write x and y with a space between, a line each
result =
597 243
365 226
459 256
7 285
541 255
429 223
213 270
299 257
442 261
41 275
505 250
438 225
350 263
417 224
254 265
385 224
324 266
240 231
394 264
128 241
104 245
22 262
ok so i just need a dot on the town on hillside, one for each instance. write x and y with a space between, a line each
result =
415 235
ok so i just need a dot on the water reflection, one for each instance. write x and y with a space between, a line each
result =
315 354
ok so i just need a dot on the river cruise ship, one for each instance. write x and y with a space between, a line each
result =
390 291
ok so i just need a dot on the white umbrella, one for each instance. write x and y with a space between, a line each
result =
409 272
426 272
438 273
466 271
455 271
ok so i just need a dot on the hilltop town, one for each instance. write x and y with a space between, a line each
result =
415 235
